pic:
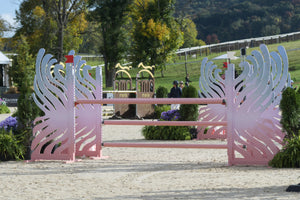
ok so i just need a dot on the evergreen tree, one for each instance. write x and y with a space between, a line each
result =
22 73
189 112
290 108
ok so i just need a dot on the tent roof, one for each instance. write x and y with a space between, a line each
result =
4 60
228 55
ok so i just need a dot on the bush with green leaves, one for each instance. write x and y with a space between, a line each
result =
160 109
289 156
10 147
290 107
166 133
189 112
161 92
4 109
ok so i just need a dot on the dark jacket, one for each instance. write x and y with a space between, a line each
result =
175 92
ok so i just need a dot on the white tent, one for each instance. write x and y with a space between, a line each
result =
228 55
5 63
4 60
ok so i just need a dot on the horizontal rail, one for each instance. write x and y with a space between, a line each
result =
165 123
119 91
165 145
153 101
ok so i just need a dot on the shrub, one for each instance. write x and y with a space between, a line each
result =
290 107
189 112
166 133
3 108
161 92
160 109
26 114
289 156
10 147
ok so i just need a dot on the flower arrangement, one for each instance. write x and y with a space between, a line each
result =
10 123
11 147
170 115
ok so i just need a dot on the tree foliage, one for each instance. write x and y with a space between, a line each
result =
190 33
4 26
239 19
112 15
22 73
23 64
189 112
52 24
290 107
156 35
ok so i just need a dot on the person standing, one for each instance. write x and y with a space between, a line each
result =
181 85
187 78
175 92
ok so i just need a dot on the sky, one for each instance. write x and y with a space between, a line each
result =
7 12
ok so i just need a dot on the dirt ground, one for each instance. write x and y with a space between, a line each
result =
145 173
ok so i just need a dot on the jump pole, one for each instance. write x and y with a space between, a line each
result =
165 145
160 123
153 101
164 123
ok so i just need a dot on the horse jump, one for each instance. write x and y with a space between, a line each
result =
72 124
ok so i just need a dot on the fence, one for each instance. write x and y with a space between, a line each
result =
72 122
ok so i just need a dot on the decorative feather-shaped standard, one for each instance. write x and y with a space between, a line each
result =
53 133
254 132
56 135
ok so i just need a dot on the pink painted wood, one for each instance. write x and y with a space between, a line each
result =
165 145
152 101
164 123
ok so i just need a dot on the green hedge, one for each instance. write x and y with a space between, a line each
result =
289 156
4 109
10 147
159 109
166 133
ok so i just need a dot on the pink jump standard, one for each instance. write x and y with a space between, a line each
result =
71 100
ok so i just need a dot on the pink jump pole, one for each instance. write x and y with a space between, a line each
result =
165 123
164 145
153 101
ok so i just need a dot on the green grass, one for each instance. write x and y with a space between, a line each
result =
177 71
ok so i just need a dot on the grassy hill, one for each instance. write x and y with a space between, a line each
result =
238 19
177 71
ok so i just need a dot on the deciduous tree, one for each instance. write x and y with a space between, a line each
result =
112 16
155 34
52 24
